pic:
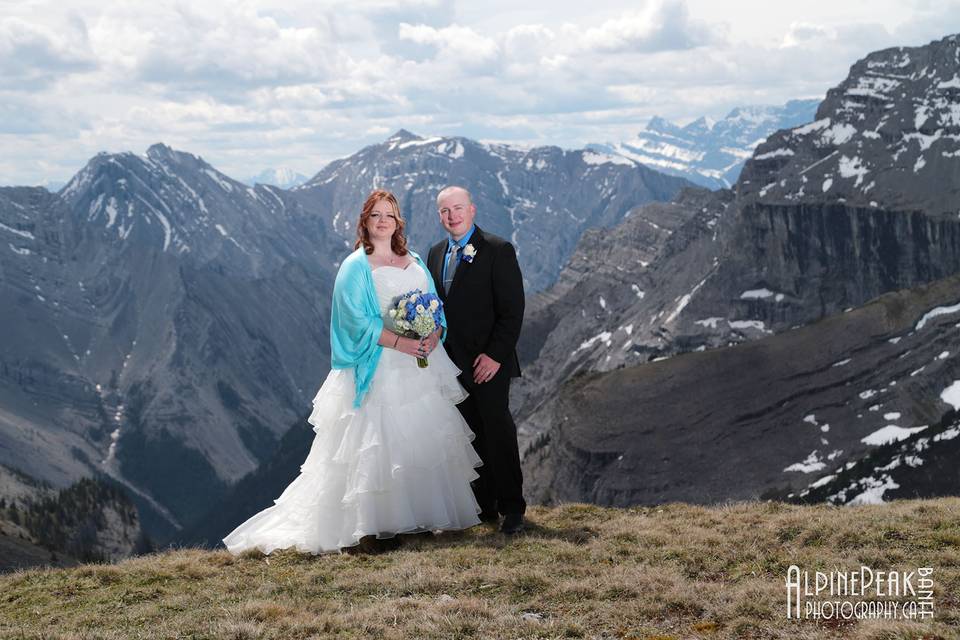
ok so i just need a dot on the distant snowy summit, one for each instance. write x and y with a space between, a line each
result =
706 152
283 177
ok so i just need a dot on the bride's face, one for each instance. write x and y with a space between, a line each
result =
382 222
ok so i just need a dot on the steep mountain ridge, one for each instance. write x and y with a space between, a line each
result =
151 296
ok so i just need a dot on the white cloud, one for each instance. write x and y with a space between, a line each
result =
528 40
301 82
658 27
33 55
460 45
206 48
804 32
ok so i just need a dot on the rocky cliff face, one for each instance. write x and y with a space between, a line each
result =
765 262
615 303
827 410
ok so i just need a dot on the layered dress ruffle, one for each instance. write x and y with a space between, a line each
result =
400 463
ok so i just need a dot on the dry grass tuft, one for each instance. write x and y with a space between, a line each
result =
675 571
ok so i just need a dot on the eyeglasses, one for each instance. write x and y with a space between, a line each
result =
376 216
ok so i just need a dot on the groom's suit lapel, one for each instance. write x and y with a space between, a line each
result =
436 267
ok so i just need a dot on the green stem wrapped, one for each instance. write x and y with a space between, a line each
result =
421 362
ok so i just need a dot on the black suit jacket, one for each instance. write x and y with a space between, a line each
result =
484 308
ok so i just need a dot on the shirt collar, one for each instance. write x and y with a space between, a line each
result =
462 241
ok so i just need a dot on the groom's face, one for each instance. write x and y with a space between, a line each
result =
456 213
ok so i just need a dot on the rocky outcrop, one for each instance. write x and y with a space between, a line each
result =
91 520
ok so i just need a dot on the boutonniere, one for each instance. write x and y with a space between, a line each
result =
469 253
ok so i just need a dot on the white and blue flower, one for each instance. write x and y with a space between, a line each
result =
417 314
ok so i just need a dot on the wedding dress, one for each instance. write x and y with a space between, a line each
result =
402 462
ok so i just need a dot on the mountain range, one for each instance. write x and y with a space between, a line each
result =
710 153
775 335
165 324
156 313
542 199
715 347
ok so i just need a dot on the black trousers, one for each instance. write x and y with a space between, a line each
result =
500 485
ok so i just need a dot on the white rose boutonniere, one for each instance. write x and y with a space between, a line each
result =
469 252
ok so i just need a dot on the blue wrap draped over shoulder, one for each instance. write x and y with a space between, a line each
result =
355 320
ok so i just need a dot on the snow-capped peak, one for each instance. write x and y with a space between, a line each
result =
283 177
706 151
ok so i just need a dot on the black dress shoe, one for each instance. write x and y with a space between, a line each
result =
512 523
365 545
372 545
388 544
488 516
416 535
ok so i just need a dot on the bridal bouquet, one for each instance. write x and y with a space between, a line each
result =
417 315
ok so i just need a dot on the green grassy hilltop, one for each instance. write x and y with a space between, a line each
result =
676 571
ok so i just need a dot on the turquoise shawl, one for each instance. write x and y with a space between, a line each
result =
355 320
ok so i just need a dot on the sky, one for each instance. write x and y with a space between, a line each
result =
250 85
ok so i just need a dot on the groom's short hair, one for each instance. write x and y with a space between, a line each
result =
450 188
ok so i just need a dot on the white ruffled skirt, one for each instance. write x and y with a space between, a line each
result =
401 463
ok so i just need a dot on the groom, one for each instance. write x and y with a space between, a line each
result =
478 279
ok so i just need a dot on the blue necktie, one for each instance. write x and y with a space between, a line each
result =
451 268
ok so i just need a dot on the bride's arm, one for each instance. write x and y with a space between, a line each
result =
402 344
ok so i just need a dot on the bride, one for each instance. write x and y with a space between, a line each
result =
392 453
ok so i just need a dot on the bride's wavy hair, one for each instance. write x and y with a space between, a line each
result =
399 240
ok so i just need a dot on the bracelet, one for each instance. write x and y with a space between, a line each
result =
396 341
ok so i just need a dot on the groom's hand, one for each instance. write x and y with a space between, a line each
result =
484 368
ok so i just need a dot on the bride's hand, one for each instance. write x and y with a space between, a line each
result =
411 347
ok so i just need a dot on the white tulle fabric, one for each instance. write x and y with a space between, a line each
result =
400 463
